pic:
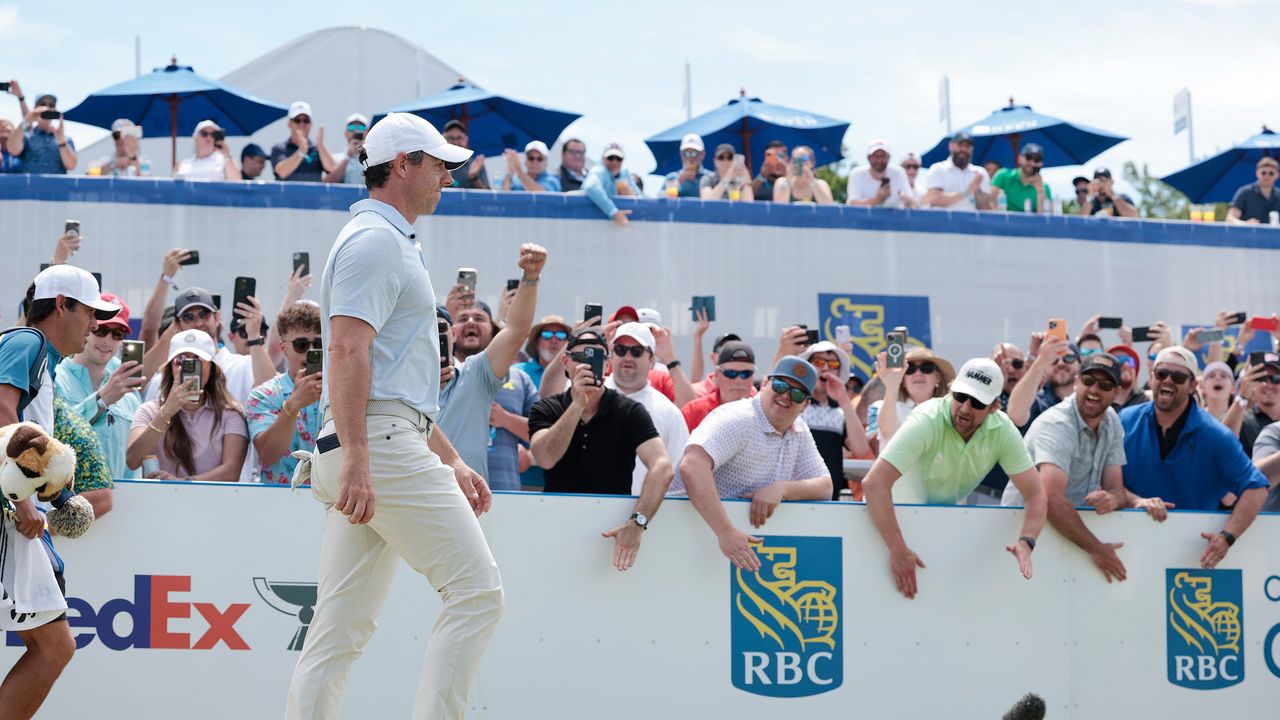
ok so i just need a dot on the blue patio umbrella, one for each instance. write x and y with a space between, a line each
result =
494 123
174 99
1218 178
749 124
999 135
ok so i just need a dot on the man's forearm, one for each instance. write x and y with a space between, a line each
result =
817 488
1024 396
656 481
549 445
263 369
349 377
1034 503
700 486
326 160
153 313
338 173
68 157
287 165
273 443
1246 509
100 499
1067 521
440 445
879 499
855 433
554 380
684 391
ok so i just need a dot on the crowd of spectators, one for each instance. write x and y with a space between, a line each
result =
786 175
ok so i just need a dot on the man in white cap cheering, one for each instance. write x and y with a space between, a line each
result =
940 454
378 445
534 176
298 158
689 179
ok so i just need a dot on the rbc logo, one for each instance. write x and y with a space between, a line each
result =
786 631
1206 627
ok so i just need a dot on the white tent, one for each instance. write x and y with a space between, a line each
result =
338 71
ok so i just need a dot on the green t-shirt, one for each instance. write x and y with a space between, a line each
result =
938 467
1009 180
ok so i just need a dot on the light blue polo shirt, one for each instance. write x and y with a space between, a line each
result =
112 428
376 273
465 405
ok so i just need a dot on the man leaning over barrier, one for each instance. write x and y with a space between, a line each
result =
939 456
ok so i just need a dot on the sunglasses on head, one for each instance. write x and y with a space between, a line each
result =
553 334
1104 384
578 356
782 387
115 333
737 374
191 316
1090 351
974 403
927 367
634 351
301 345
1126 360
1178 378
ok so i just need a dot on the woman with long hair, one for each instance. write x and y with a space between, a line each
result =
923 376
197 431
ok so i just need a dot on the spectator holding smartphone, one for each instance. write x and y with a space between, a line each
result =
879 183
800 183
730 181
104 391
44 148
283 414
688 180
830 414
10 163
347 168
772 169
1104 200
212 160
923 376
197 430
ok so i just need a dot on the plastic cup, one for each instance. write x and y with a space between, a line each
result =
736 194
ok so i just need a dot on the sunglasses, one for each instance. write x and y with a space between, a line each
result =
553 334
356 127
1178 378
1126 360
1068 359
927 367
1090 351
825 363
206 133
690 153
114 333
535 158
194 315
782 387
1104 384
1017 363
301 120
301 345
1033 158
1273 379
573 152
634 351
737 374
725 156
1266 173
974 403
910 167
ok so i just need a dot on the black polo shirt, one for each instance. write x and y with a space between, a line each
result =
309 170
1253 205
602 454
1254 420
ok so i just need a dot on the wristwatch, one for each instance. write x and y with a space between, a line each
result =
643 521
1030 541
1229 537
256 342
1242 401
673 364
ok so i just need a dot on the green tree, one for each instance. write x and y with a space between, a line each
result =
839 183
1156 199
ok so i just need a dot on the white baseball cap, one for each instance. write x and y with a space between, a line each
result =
640 333
358 118
614 149
878 144
649 316
538 146
694 141
299 107
980 378
1178 355
79 285
406 133
196 342
205 124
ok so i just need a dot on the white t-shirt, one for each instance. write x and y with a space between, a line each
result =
862 186
212 167
667 420
904 409
951 179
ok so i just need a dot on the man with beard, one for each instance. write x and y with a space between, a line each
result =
956 183
633 357
481 360
1078 448
1057 362
1024 185
940 454
1130 393
1180 456
1262 404
880 184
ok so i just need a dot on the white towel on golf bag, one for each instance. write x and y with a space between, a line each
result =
29 594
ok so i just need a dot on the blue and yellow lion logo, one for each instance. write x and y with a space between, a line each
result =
1205 628
866 316
790 613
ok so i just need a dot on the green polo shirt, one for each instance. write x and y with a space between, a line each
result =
938 467
1010 181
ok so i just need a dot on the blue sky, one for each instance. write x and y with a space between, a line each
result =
1112 65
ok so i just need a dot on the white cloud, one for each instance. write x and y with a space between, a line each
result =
8 18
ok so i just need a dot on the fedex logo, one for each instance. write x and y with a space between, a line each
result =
149 613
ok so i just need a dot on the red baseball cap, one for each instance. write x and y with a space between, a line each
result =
121 319
1126 350
625 310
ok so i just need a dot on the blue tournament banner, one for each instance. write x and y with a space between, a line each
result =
1260 342
787 630
868 318
1205 618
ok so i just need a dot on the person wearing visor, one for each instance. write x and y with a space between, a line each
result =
347 168
533 176
760 449
940 454
1024 185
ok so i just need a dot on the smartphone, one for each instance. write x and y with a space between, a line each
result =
1110 323
896 351
315 361
707 302
217 302
302 260
739 160
219 135
1257 357
71 226
245 287
442 333
810 337
593 310
357 136
132 351
1236 319
192 258
884 181
1142 334
1264 323
842 334
513 285
1209 335
50 115
467 278
1057 329
594 355
4 87
190 369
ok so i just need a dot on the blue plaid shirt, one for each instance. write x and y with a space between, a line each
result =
40 153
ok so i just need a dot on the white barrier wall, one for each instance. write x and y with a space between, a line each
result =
186 601
961 281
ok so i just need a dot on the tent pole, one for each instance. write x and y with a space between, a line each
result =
173 131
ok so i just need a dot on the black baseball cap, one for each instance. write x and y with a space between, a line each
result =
193 297
1102 172
962 136
252 150
735 351
586 336
1079 179
1102 362
720 341
455 123
1031 149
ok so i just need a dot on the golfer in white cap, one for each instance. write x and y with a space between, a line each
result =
392 484
940 454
